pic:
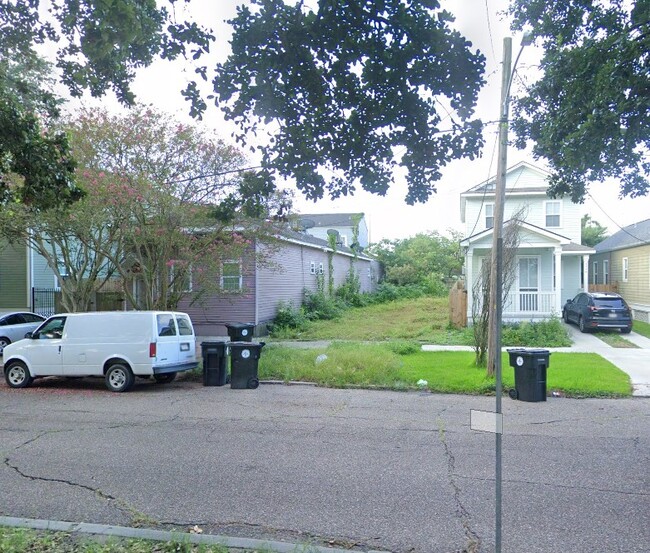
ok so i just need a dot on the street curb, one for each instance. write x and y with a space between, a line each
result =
163 535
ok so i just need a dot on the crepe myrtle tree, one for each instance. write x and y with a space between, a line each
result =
588 112
348 91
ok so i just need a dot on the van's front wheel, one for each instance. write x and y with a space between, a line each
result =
17 375
119 378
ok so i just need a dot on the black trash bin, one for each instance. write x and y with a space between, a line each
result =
240 332
530 373
215 363
244 358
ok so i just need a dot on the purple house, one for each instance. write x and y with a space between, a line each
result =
252 291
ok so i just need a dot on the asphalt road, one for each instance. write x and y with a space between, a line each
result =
368 469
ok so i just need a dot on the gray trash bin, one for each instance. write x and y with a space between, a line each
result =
244 359
215 363
530 373
240 332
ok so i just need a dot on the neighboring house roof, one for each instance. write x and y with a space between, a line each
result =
332 219
488 185
631 236
303 238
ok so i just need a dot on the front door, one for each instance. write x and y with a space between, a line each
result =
528 282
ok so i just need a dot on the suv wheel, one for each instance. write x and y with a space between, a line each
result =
581 324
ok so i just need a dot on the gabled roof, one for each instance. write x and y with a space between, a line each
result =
631 236
515 173
295 237
331 219
550 235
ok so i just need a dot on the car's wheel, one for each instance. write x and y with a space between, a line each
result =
119 378
581 324
17 375
165 378
565 316
626 330
4 342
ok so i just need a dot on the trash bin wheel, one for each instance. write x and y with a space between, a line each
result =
512 392
253 383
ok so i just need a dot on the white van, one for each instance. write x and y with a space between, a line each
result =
118 345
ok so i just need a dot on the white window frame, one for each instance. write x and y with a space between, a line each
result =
626 269
489 208
240 282
312 268
547 205
595 272
321 269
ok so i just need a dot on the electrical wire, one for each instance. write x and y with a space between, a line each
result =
641 241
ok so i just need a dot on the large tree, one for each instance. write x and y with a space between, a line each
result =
592 232
349 90
589 112
99 45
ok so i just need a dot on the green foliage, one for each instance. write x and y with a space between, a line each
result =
404 347
426 259
642 328
319 306
387 292
350 291
288 317
592 232
344 86
587 114
544 334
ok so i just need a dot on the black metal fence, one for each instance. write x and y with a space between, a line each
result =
47 301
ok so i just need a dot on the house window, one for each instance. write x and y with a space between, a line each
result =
552 210
595 270
606 271
489 215
231 276
312 268
320 269
184 275
625 269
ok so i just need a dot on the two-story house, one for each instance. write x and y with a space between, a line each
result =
551 265
351 227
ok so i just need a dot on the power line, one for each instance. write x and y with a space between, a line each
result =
612 220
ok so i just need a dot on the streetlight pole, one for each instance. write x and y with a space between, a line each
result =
496 268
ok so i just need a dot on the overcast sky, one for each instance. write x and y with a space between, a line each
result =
389 217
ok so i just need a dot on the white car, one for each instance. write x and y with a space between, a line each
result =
14 326
116 345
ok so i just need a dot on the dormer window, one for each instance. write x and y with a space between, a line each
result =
489 215
553 213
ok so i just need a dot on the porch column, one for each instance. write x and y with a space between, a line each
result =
557 259
585 272
469 281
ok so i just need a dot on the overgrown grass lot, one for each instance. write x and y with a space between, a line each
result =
641 328
379 345
400 365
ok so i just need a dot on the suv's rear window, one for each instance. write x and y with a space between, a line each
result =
615 303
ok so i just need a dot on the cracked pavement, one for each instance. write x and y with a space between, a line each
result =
349 468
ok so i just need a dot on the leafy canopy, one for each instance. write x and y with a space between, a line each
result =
589 113
351 89
592 231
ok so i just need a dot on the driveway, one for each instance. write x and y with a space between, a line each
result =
362 469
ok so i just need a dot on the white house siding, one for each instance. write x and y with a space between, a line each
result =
571 269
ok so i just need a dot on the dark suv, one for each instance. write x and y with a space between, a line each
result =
598 310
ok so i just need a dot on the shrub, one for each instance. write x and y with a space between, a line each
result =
387 292
434 285
544 334
404 347
288 317
318 306
350 291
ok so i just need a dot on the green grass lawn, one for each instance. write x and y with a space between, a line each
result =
641 328
377 365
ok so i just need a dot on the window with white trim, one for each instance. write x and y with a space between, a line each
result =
595 273
231 276
312 268
552 211
321 270
489 215
605 271
626 268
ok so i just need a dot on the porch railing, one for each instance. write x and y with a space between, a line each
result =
518 303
